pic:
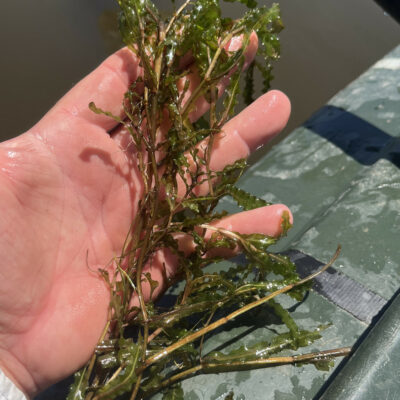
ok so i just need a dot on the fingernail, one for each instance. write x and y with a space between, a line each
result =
235 43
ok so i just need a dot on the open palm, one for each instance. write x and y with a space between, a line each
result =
68 193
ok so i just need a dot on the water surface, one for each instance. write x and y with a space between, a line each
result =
48 46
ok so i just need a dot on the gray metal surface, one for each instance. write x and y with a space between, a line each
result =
338 288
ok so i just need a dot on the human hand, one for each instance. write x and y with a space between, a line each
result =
68 193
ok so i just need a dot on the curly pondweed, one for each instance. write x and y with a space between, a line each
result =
148 349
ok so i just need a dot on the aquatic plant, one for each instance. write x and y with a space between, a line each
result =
145 347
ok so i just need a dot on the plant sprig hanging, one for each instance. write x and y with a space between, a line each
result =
167 344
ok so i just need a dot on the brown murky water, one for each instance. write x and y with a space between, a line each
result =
47 46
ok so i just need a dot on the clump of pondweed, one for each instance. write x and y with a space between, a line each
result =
167 344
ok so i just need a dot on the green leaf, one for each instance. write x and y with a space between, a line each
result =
98 110
175 392
245 200
265 349
205 30
324 365
153 284
154 378
232 92
286 318
248 90
108 361
170 318
248 3
286 224
192 204
128 357
76 391
267 24
258 241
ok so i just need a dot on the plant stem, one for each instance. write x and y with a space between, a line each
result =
89 370
207 367
199 89
136 388
173 19
214 95
154 334
192 337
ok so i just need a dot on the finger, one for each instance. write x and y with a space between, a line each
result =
105 86
201 106
254 126
265 220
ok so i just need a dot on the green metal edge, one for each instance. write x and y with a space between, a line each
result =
373 371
